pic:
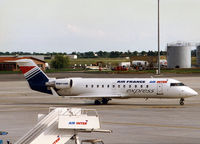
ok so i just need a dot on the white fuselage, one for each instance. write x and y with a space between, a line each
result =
103 89
125 88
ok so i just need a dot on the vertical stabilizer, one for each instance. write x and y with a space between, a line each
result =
34 75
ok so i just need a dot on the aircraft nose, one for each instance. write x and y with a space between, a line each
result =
192 92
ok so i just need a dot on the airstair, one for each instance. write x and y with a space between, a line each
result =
62 125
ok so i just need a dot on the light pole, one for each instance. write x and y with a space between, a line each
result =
158 37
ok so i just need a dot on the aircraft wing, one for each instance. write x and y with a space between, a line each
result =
97 96
91 96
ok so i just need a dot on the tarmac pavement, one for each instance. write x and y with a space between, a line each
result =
133 121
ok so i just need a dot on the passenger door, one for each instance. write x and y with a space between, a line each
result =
159 89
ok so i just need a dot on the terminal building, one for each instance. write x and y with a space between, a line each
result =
5 65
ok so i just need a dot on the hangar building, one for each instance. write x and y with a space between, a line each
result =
12 66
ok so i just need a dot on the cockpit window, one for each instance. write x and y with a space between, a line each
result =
176 84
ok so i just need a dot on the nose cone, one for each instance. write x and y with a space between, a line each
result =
192 92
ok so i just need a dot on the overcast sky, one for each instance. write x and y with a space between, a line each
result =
93 25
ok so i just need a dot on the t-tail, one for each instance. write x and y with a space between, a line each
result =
34 75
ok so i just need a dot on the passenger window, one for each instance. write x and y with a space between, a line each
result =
124 86
92 86
135 86
102 86
129 86
86 86
113 86
141 86
97 86
118 86
147 86
108 86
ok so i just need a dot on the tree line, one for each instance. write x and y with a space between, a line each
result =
99 54
91 54
116 54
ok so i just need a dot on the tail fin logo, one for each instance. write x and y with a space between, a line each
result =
30 71
25 69
34 75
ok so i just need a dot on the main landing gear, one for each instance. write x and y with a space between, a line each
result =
102 101
181 101
97 102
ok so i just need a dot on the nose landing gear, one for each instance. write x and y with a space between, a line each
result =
105 101
181 101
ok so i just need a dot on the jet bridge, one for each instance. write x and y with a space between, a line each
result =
62 125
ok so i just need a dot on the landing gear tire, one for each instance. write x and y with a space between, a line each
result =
182 101
105 101
97 102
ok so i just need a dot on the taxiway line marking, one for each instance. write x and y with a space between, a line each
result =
153 125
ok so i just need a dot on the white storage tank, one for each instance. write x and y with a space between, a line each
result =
179 55
126 64
198 55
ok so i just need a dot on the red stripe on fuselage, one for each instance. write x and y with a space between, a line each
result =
25 69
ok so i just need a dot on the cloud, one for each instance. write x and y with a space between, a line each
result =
73 28
86 31
100 33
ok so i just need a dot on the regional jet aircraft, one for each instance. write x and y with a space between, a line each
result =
101 90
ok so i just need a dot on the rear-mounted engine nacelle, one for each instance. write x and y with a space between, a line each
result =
60 83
